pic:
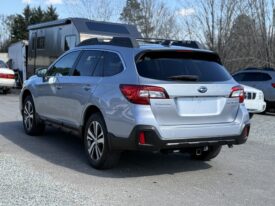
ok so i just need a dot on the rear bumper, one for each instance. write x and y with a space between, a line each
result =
270 103
153 141
255 106
7 83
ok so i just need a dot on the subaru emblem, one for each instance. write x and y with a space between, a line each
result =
202 89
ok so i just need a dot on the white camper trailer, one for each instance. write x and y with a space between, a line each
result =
17 53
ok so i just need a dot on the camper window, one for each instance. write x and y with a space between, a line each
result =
70 42
40 42
33 43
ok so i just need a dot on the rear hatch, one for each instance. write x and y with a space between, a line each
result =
197 87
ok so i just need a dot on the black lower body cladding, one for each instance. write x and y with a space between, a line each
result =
153 142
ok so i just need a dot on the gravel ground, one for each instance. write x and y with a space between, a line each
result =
22 186
52 170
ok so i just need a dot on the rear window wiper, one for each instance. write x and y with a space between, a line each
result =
184 77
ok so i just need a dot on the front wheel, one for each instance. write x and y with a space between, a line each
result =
96 144
31 123
200 154
6 91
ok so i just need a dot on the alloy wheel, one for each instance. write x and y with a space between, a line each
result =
28 115
95 140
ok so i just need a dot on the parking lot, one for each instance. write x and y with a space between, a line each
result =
52 170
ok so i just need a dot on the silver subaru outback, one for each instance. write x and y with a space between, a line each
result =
124 94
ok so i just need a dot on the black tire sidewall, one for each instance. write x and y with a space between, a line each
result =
28 99
98 163
37 128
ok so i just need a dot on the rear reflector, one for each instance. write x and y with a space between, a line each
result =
7 76
141 94
246 131
141 138
273 85
237 92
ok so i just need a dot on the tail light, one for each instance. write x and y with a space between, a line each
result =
7 76
141 94
273 85
237 92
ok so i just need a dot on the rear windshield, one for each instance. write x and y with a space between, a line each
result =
252 76
3 65
206 67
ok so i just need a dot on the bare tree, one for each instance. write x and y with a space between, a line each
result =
4 32
164 20
154 19
261 12
240 31
212 22
103 10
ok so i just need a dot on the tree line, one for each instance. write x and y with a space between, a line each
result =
13 28
242 32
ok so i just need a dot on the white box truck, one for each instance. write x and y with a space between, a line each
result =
17 53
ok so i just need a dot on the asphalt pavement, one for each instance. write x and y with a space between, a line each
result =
52 170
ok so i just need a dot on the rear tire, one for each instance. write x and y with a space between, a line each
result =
96 144
251 115
32 125
5 91
211 153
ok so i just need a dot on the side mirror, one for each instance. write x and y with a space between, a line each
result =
41 72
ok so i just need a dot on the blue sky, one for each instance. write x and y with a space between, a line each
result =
8 7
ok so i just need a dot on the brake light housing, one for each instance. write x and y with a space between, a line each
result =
7 76
273 85
237 92
141 94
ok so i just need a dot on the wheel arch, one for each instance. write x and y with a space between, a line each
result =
25 94
87 113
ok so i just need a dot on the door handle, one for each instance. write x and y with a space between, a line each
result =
86 87
58 87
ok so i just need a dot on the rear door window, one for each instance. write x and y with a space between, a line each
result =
3 65
109 64
99 70
206 67
239 77
87 63
112 64
255 76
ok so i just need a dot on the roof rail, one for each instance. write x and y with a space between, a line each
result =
115 41
268 69
250 68
135 43
259 68
170 42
